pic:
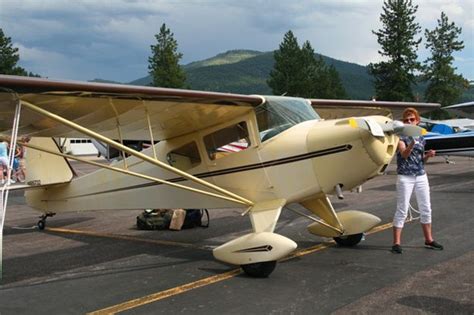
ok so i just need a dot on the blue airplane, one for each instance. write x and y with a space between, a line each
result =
448 139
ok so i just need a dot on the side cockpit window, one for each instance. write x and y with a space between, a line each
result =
226 141
184 157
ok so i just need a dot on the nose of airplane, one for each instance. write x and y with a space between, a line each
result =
381 144
356 150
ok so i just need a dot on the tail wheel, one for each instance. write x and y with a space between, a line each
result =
41 224
259 270
349 240
42 221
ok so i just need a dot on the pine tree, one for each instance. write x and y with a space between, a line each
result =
395 77
444 85
312 79
9 57
298 72
163 64
287 71
334 89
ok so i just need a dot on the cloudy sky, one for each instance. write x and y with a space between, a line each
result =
110 39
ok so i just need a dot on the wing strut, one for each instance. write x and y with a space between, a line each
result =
5 190
338 230
119 130
133 152
150 130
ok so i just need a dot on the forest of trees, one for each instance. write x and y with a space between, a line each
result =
298 72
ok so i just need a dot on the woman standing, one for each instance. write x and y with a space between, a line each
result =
411 158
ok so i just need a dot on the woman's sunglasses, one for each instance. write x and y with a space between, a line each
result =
407 120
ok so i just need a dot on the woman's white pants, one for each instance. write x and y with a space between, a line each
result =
405 186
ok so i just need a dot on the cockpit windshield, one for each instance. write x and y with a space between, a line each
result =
279 113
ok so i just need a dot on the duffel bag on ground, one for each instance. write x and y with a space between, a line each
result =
154 219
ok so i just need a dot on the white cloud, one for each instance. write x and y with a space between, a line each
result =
111 39
44 62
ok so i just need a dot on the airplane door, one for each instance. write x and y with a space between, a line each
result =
234 163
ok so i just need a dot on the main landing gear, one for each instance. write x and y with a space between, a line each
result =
259 270
42 222
349 240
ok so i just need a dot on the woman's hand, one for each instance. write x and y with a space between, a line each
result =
430 153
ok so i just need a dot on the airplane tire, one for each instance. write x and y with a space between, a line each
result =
349 240
259 270
41 224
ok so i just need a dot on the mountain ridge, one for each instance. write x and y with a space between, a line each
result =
246 72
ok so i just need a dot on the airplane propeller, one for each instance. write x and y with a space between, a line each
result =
378 129
402 129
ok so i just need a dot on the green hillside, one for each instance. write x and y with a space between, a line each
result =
104 81
246 72
228 57
247 76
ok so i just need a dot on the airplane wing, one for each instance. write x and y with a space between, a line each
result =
103 107
463 109
333 109
459 144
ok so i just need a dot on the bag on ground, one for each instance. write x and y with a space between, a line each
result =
177 219
154 219
194 218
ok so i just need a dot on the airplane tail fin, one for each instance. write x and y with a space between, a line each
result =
44 168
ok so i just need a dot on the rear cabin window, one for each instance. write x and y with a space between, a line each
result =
227 141
184 157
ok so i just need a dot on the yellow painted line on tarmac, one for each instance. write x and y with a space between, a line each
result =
385 226
309 250
167 293
379 228
127 238
213 279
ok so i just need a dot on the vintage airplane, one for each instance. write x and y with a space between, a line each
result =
288 154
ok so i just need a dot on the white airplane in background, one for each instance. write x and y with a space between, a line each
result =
463 110
287 153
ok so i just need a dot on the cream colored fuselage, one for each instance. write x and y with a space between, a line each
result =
309 158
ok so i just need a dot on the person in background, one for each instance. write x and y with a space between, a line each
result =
3 159
19 163
411 159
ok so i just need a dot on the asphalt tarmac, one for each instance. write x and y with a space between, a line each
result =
98 262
